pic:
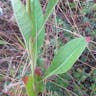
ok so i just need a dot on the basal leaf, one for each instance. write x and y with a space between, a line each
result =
66 57
23 20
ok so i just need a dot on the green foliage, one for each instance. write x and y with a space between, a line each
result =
29 86
31 23
66 57
23 21
50 7
38 23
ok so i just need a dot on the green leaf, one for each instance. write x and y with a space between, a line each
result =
2 42
49 10
39 82
28 7
66 57
39 19
50 7
28 81
23 20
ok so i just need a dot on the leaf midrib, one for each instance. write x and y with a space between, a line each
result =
62 63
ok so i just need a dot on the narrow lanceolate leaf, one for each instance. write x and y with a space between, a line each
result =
28 81
39 19
66 57
2 42
49 10
23 20
50 7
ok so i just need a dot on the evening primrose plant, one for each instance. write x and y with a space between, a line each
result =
31 22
